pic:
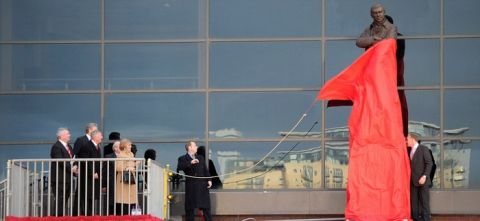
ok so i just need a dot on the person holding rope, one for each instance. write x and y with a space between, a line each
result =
197 194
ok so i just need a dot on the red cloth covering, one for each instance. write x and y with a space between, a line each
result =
379 169
85 218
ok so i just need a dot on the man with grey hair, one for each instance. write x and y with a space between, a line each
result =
88 188
380 28
60 172
84 140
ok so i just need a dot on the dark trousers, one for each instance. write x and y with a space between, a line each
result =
61 200
190 214
420 202
124 209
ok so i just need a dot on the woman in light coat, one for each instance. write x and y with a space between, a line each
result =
125 193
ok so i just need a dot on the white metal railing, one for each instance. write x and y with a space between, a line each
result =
3 198
50 187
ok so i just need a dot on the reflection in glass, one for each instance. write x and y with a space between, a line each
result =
261 64
294 165
461 17
425 22
423 112
32 67
263 115
461 61
422 62
150 117
167 153
336 163
337 122
49 20
10 152
265 18
461 111
152 19
461 164
154 66
37 117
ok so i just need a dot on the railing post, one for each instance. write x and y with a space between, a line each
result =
8 193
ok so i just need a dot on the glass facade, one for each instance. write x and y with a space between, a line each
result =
235 76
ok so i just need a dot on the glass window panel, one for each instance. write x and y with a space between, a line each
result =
461 112
152 19
293 165
150 117
336 164
166 153
422 62
272 64
424 112
154 66
49 20
37 117
265 18
339 55
32 67
461 61
434 146
425 22
10 152
336 121
461 164
461 17
261 115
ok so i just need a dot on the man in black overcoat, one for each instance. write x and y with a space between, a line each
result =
61 172
421 165
88 187
197 193
85 139
108 179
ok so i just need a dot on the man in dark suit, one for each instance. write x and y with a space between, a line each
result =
85 139
197 193
421 166
108 179
61 172
88 188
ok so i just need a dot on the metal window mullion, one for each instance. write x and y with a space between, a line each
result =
442 92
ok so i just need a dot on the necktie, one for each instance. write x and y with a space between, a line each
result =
69 150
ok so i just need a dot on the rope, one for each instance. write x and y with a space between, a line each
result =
263 158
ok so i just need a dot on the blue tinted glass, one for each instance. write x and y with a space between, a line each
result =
37 117
293 165
49 20
351 17
461 61
461 164
421 62
150 117
424 112
336 122
339 55
265 18
461 17
265 115
279 64
10 152
154 66
461 112
152 19
31 67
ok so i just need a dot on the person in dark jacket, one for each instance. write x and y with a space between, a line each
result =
112 137
421 165
108 177
216 182
197 193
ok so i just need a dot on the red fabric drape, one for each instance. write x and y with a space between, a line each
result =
379 169
85 218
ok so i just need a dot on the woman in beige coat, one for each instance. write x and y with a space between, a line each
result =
125 193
